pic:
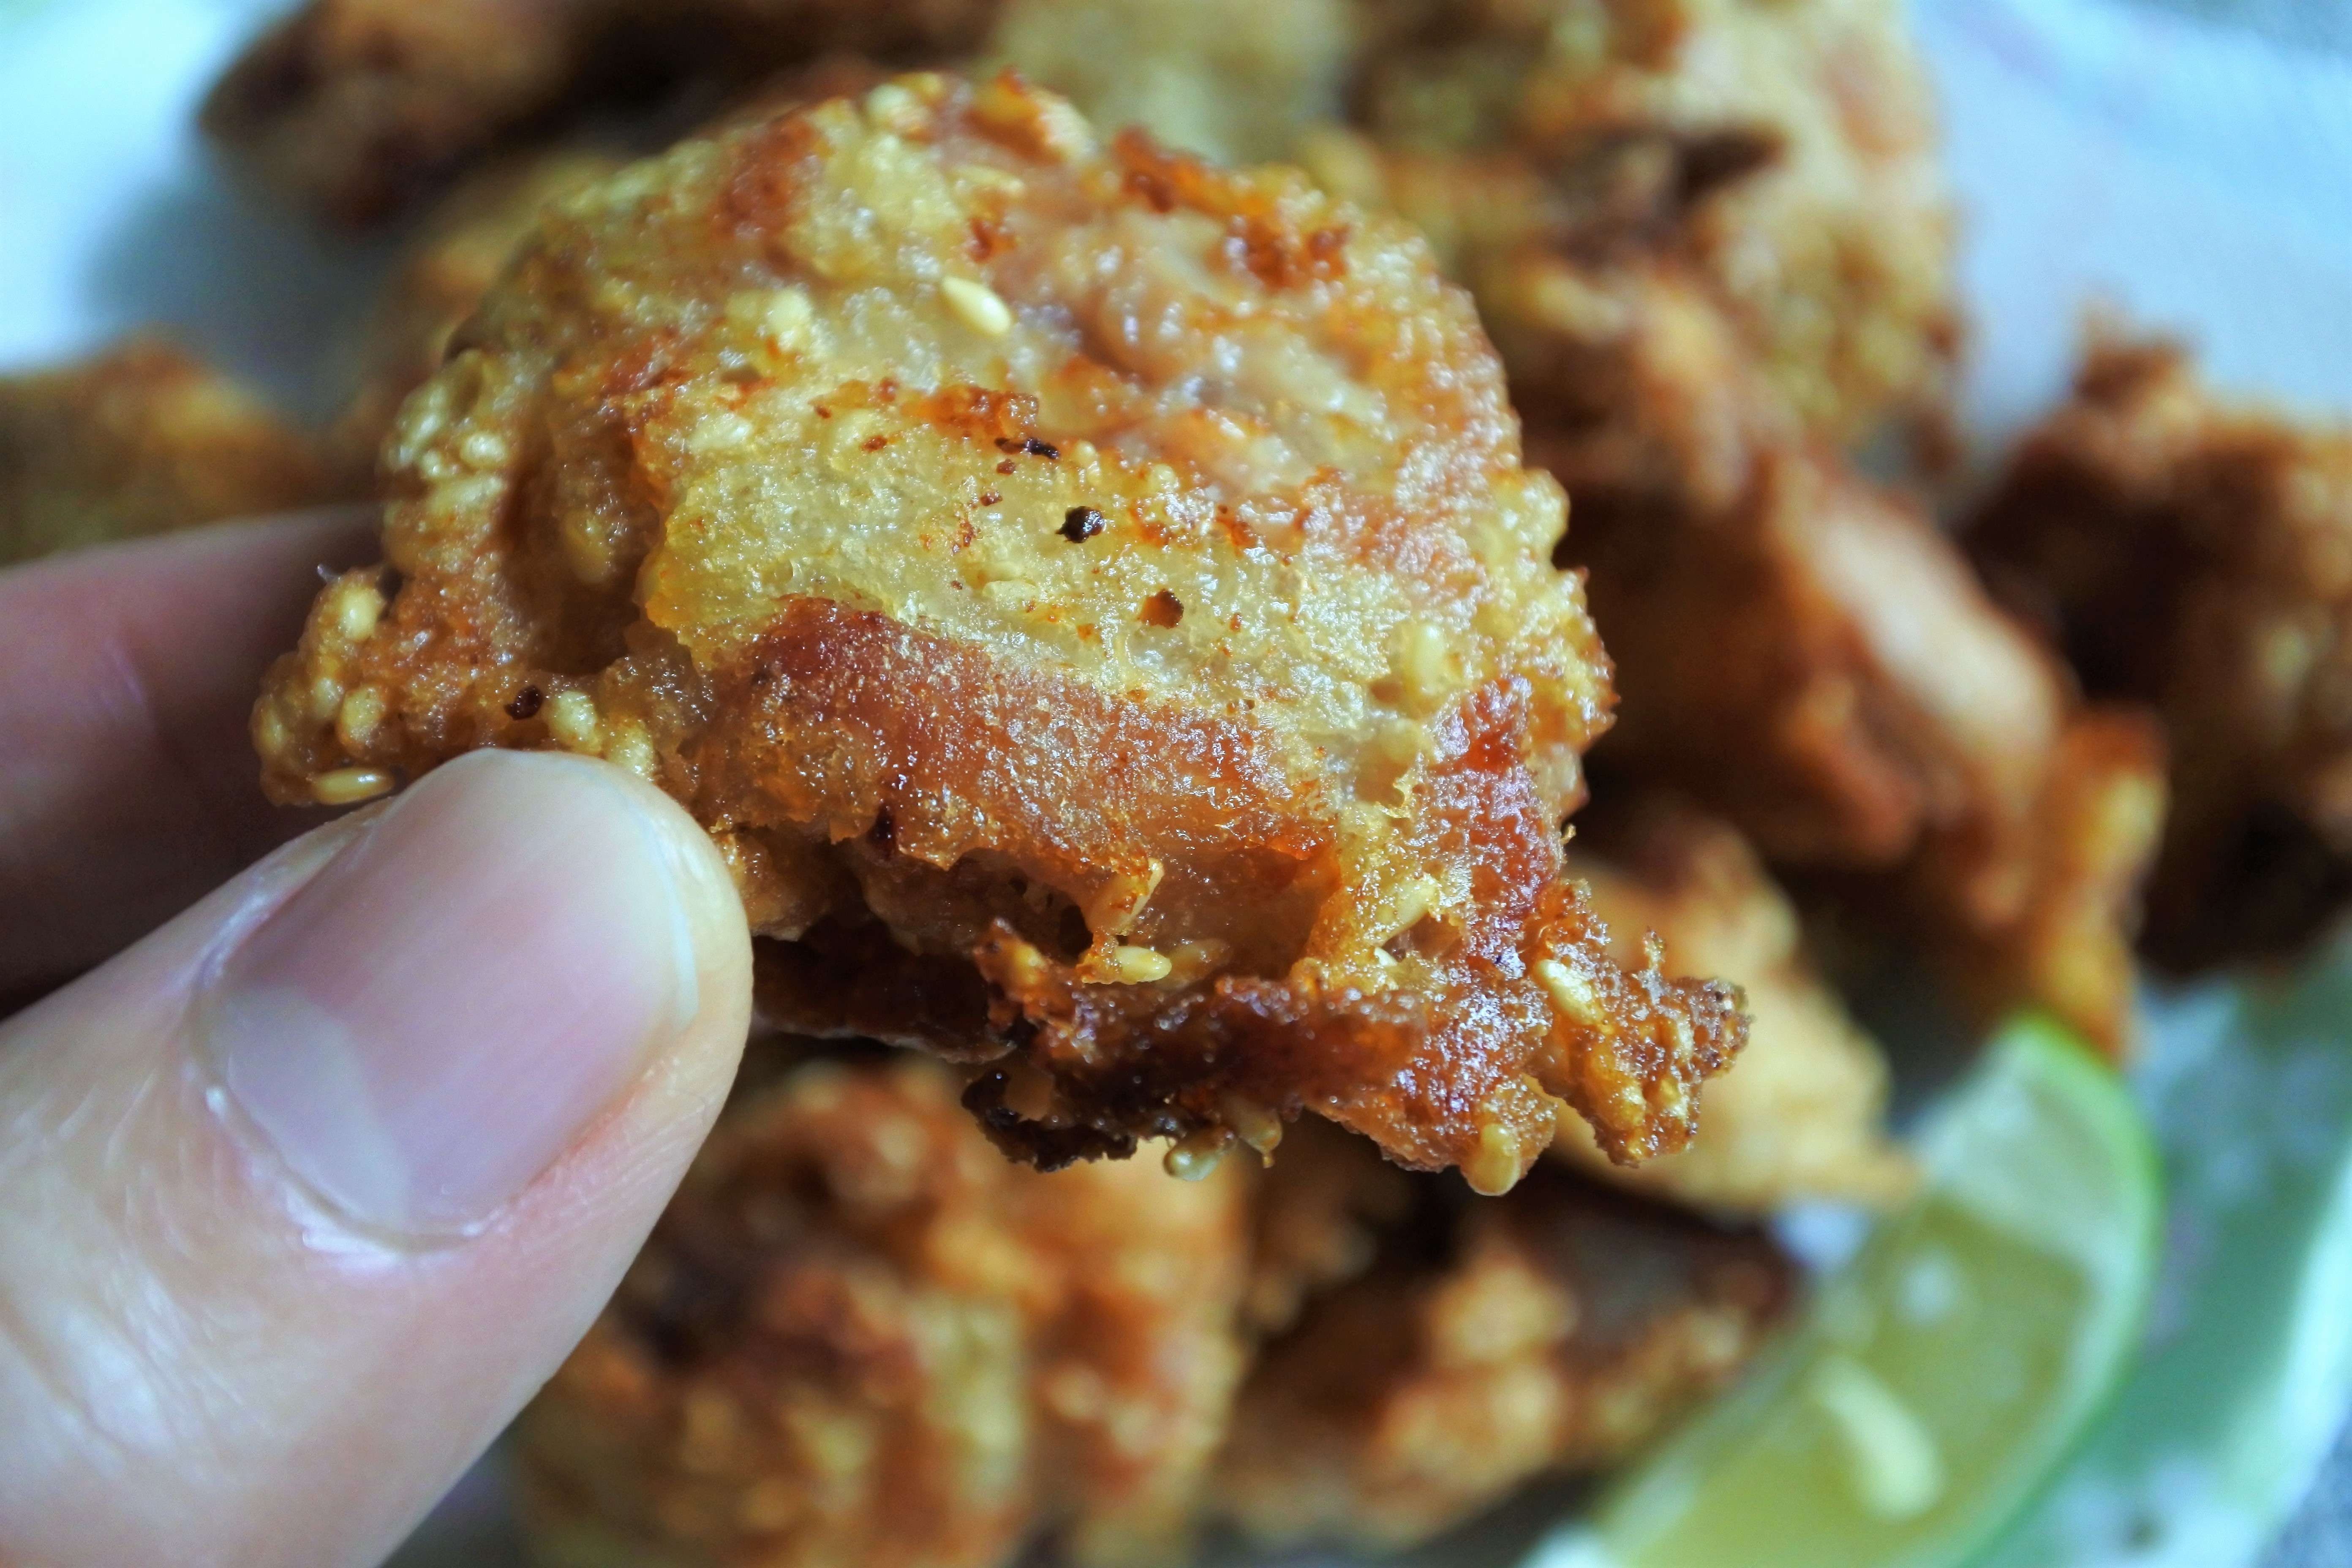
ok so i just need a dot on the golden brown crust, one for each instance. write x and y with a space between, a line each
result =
859 1336
2191 554
142 439
1800 1115
353 109
1104 573
1553 1329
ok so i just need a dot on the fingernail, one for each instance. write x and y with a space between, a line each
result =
442 1009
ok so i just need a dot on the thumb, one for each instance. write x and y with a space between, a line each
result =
310 1190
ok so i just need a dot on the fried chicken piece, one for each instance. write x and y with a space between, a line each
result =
1807 654
1237 80
2197 554
1782 153
353 109
1080 574
142 439
442 275
1800 1115
1493 1341
859 1335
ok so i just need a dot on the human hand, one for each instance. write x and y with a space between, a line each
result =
307 1191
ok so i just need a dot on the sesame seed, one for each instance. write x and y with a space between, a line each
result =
572 719
1198 1155
1571 992
1493 1168
1424 664
482 449
978 306
348 786
358 608
1124 966
362 709
1253 1123
893 107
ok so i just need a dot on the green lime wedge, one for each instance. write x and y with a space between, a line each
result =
1942 1379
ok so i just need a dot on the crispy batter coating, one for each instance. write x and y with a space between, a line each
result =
353 109
1800 1115
1493 1341
859 1335
443 273
140 439
1100 576
2197 554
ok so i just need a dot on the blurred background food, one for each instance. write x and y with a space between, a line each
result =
1879 695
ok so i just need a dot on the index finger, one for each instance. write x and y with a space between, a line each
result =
127 785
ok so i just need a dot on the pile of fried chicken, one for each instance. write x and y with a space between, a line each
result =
1125 519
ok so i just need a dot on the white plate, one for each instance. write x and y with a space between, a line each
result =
2198 177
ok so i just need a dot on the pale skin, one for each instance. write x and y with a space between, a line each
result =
321 1164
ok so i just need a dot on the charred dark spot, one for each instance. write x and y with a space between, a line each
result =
1081 523
823 412
1154 189
1712 162
875 443
761 675
989 498
1005 467
988 238
1035 1142
526 704
1029 446
1163 609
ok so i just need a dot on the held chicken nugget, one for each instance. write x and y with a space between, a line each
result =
1102 578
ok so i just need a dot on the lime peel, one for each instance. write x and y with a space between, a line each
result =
1943 1378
